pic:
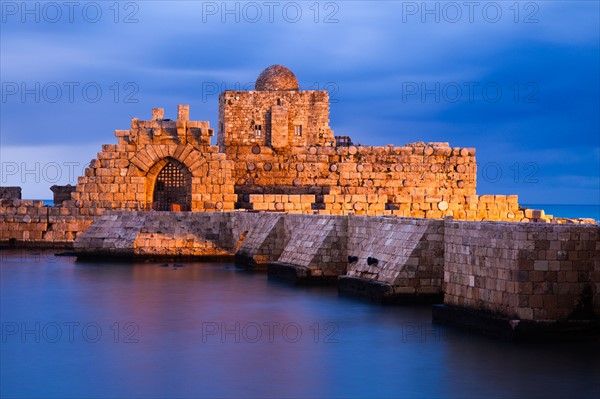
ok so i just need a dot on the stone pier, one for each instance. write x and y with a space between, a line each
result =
514 280
157 235
521 280
280 192
394 260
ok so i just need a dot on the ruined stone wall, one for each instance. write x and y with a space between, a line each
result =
419 180
262 241
317 243
524 271
124 174
10 192
29 222
530 271
414 170
277 113
62 193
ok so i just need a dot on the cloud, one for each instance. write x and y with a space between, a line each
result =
368 53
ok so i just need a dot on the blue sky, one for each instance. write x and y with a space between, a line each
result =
517 80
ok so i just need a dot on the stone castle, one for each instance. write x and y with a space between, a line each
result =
276 152
301 194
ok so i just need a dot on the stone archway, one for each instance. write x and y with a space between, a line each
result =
170 187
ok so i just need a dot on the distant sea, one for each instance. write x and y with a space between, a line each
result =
557 210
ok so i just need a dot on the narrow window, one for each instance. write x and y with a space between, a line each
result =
258 130
298 130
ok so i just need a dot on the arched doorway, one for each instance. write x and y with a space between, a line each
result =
173 188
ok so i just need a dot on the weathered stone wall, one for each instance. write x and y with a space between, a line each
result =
317 243
29 222
157 234
278 113
62 193
124 175
10 192
529 271
419 180
407 254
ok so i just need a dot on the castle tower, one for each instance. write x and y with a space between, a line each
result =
276 114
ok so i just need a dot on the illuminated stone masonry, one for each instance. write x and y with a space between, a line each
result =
428 235
158 165
275 152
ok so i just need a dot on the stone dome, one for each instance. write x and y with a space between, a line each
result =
276 77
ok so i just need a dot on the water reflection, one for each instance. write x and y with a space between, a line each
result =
209 330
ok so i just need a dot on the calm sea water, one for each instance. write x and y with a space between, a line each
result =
77 330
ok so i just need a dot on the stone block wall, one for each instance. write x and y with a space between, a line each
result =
407 254
317 243
414 171
353 204
151 234
123 176
10 192
31 223
529 271
62 193
279 114
23 220
418 180
289 203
